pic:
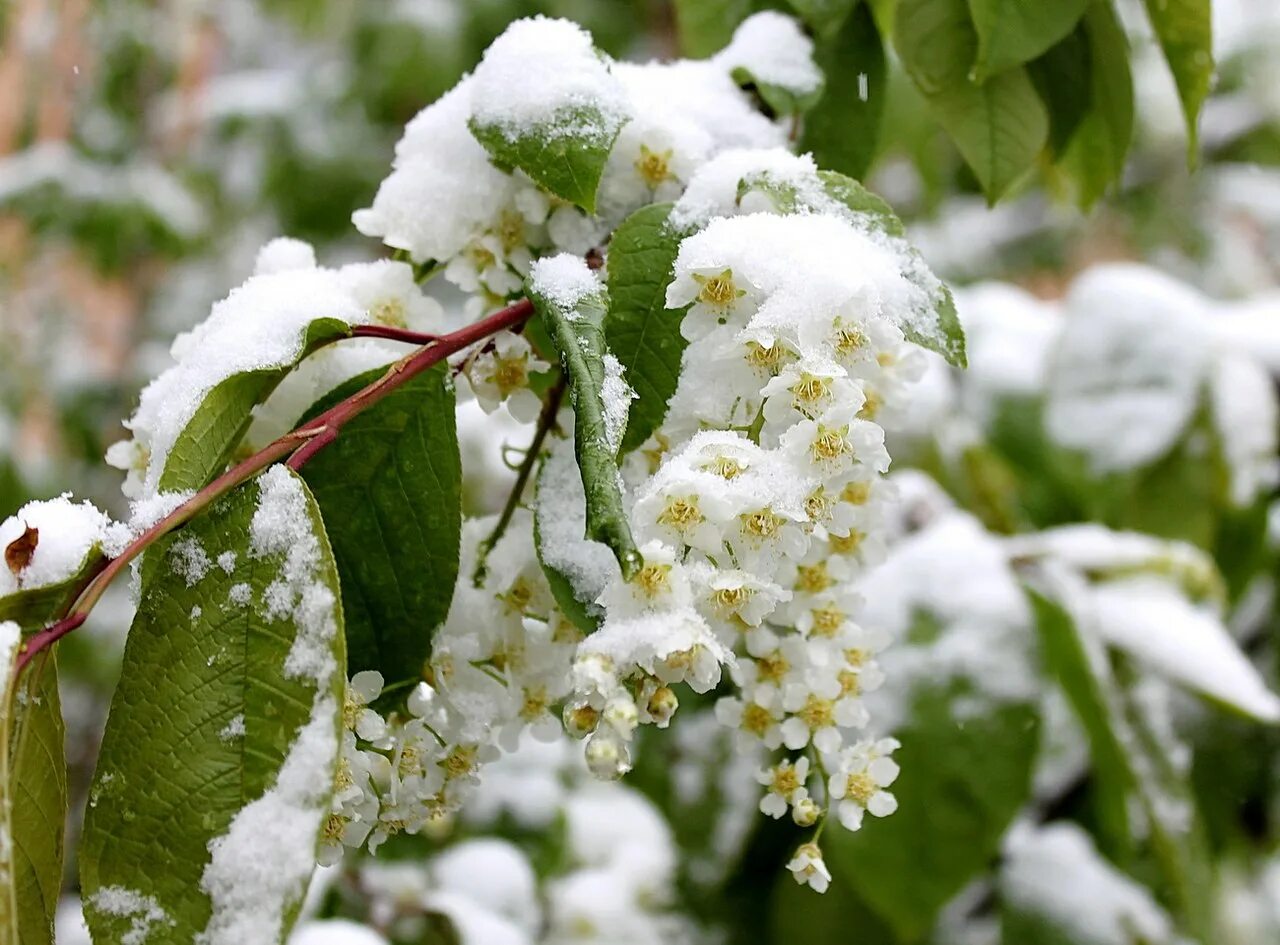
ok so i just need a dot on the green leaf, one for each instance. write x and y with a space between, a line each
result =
1012 32
938 328
1185 31
224 726
1076 663
782 100
824 17
1063 78
390 490
566 155
205 446
643 334
576 568
960 786
706 26
32 608
1095 156
999 125
843 129
578 336
33 802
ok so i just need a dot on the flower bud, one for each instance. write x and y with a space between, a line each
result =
662 706
805 812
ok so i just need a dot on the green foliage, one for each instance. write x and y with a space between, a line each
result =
566 156
1185 31
1086 85
561 587
964 776
33 801
999 125
390 491
207 442
843 129
173 774
578 337
643 334
706 26
1011 32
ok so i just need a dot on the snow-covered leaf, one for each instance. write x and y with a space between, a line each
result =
1185 31
643 334
218 760
576 567
571 304
544 102
1011 32
1153 621
390 491
770 54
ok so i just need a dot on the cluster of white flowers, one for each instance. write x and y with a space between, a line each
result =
446 204
499 665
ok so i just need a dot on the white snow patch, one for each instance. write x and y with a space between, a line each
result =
564 280
774 50
143 911
561 512
69 532
261 865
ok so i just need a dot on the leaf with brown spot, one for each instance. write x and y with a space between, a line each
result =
20 551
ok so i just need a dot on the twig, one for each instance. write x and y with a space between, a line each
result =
300 445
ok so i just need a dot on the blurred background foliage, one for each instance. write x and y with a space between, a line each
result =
147 149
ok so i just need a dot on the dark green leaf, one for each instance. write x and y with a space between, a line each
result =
643 334
1075 666
1095 157
824 17
567 155
220 693
1011 32
1063 78
962 781
782 100
1185 31
706 26
999 125
578 336
843 129
205 446
390 491
33 802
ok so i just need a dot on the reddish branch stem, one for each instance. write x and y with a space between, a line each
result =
299 445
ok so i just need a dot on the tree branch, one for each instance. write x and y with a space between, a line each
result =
300 445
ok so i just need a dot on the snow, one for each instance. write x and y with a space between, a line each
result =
564 280
335 932
617 395
561 512
260 867
1150 619
1126 373
492 873
282 526
1009 336
189 560
1245 414
1055 872
233 729
143 912
713 191
955 572
69 532
773 49
442 192
542 76
261 326
1096 549
284 254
